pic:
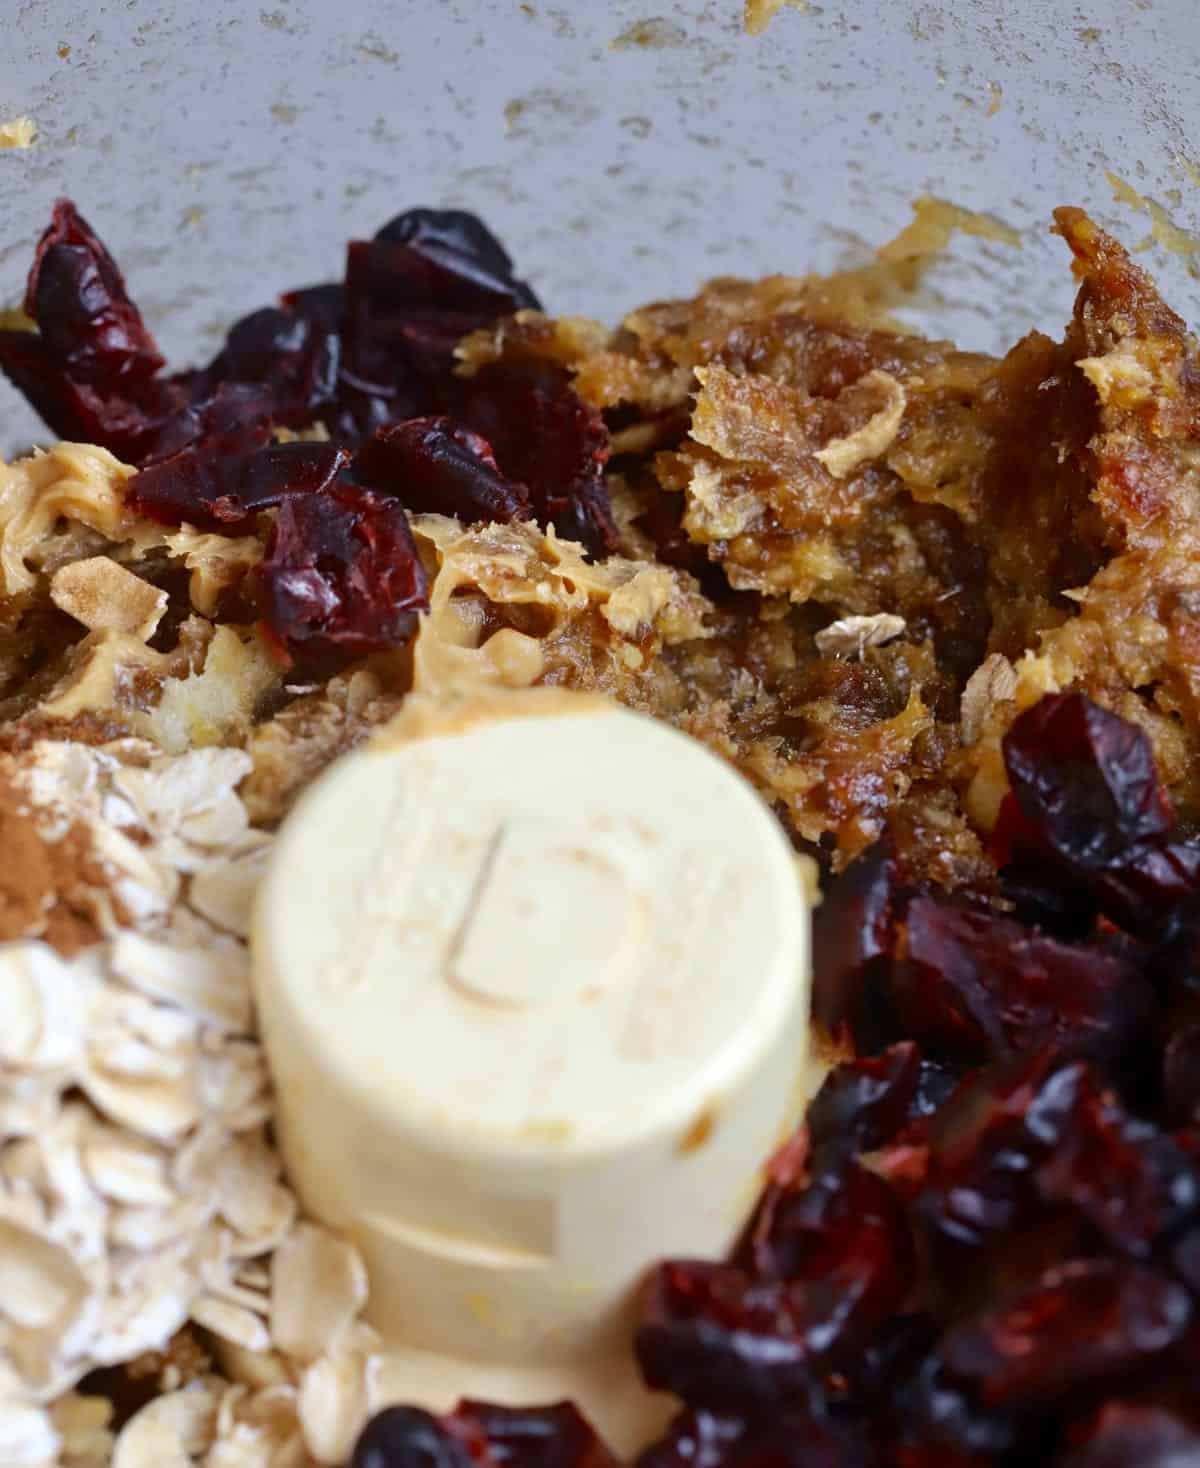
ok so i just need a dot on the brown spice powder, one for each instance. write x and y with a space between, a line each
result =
48 889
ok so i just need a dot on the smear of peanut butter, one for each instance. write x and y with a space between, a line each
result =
19 132
1163 229
760 13
933 223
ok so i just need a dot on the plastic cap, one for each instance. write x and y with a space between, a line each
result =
532 975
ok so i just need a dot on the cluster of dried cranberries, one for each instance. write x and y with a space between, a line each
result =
983 1249
372 359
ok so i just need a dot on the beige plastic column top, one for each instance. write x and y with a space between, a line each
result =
532 974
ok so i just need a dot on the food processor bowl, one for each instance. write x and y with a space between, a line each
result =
623 151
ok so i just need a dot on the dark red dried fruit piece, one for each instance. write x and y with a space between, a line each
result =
468 268
699 1438
976 1196
859 1109
556 1436
79 411
323 304
1175 960
295 353
77 296
796 1436
1032 886
1085 780
1082 1325
407 1437
935 1085
934 1424
376 350
1138 890
716 1337
894 1354
863 1103
545 436
1088 824
359 406
1181 1074
1125 1176
341 574
854 933
1034 1157
226 493
844 1227
1149 881
975 985
234 419
430 464
412 293
90 370
1130 1435
822 1266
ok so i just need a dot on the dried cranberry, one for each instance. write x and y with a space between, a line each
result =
1126 1177
293 352
1039 1147
82 411
323 304
1085 780
225 493
854 932
1185 1259
341 574
1083 1324
1181 1074
935 1084
863 1103
1129 1435
425 281
1149 882
557 1436
975 985
697 1438
935 1424
717 1337
430 464
545 436
842 1220
894 1354
822 1265
797 1436
1034 889
1088 825
720 1338
407 1437
376 350
468 256
77 296
233 419
977 1191
90 371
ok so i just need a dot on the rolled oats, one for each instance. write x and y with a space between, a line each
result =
318 1287
851 636
139 1187
100 593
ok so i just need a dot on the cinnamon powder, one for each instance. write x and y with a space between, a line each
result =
48 889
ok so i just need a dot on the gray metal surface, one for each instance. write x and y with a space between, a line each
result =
226 149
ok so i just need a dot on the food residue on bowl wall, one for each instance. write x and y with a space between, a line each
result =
18 132
656 33
1163 228
760 13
